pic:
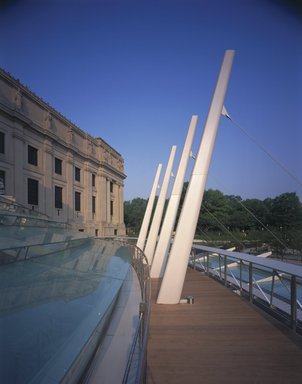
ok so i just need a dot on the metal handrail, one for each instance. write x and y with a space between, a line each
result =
286 307
141 267
290 269
12 206
27 220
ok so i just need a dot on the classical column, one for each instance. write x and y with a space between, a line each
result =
115 204
102 199
87 198
49 200
99 197
19 179
70 186
108 201
162 249
146 220
121 205
172 284
154 230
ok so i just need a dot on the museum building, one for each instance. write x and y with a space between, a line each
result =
50 165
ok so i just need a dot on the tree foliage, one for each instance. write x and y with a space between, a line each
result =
229 213
133 214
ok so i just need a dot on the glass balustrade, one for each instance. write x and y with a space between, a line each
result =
55 301
58 290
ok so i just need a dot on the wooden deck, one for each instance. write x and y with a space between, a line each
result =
221 338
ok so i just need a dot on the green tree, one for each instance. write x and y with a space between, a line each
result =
258 213
214 210
286 212
237 218
134 211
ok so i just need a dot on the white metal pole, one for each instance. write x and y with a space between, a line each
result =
162 248
173 280
153 233
146 220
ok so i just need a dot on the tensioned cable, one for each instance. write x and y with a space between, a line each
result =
223 226
206 235
255 217
260 222
285 169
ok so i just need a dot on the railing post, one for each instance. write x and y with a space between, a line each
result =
251 282
207 262
293 302
219 261
272 289
240 282
225 271
26 252
194 258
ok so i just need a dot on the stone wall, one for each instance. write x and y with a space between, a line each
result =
26 120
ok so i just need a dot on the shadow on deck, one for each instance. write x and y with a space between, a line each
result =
221 338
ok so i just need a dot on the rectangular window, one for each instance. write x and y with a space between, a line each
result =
32 155
2 142
93 204
77 201
77 174
111 208
93 180
32 191
58 166
2 182
111 186
58 197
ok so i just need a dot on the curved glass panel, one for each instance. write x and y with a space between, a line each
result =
52 305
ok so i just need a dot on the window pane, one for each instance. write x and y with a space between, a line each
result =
111 208
2 142
93 180
2 182
111 186
58 197
58 166
32 155
77 201
32 192
77 174
93 204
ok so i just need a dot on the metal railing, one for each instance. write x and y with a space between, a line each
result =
137 362
26 220
271 284
8 205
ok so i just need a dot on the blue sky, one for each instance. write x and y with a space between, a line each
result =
134 73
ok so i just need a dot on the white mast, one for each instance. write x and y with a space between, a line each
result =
145 224
173 280
162 249
153 233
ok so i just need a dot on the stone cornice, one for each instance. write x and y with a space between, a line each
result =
104 144
47 107
108 167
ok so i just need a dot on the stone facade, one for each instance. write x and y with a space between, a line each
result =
50 165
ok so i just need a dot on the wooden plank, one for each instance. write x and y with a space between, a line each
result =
221 338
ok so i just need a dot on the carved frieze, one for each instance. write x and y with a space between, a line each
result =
69 136
17 99
48 120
